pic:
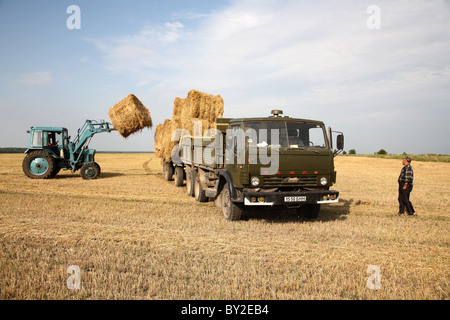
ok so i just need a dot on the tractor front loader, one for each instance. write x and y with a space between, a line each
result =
47 155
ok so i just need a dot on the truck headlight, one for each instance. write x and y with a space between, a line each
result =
255 181
323 181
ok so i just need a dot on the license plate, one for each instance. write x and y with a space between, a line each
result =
295 199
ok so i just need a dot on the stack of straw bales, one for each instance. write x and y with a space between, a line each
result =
129 116
187 114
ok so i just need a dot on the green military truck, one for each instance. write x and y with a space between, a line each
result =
274 161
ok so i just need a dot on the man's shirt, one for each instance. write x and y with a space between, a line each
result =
406 175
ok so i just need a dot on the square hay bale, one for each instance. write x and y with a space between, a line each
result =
167 136
199 105
130 116
193 115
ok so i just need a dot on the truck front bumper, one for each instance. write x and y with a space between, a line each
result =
290 199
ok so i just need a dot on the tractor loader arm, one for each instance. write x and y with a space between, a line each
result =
88 130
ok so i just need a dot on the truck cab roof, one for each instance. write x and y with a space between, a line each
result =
225 121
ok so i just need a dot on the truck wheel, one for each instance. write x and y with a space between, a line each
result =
231 211
199 193
168 171
218 200
190 178
90 171
38 166
179 176
309 211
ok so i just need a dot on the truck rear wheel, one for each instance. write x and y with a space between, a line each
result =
90 171
168 171
231 211
199 193
179 176
37 165
309 211
190 178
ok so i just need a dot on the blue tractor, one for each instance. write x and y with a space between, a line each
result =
51 150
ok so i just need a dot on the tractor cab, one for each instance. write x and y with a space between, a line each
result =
51 140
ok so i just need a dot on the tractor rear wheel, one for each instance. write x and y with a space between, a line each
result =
37 165
90 171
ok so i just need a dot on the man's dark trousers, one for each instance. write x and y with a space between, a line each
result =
403 199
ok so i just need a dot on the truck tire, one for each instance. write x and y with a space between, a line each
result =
218 200
168 171
190 178
90 171
309 211
179 176
231 211
36 165
199 193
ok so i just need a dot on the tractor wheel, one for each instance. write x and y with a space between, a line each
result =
38 166
199 193
56 170
190 178
179 176
309 211
90 171
231 211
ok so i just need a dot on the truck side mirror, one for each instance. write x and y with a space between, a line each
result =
340 142
330 137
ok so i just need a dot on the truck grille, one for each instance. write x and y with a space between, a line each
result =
275 181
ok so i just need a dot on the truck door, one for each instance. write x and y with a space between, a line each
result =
235 153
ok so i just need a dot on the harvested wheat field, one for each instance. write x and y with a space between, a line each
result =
134 235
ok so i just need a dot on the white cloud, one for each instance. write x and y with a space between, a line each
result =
40 78
152 48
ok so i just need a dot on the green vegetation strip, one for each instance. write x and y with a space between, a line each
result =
414 157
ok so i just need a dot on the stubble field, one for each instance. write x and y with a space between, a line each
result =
135 236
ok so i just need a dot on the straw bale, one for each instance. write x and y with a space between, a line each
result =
197 109
159 133
130 116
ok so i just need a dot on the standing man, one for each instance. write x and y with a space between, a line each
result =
405 185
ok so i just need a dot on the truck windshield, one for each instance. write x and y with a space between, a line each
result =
295 135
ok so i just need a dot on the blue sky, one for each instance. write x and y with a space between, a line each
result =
384 88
